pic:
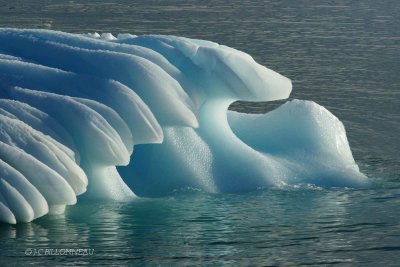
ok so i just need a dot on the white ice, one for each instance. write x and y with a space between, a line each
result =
73 107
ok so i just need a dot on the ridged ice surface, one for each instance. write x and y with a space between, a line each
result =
73 107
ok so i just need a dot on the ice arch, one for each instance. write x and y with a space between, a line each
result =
73 107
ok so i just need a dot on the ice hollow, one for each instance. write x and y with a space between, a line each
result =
118 117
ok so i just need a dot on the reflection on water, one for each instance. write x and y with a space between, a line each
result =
294 226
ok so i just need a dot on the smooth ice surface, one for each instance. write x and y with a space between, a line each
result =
74 107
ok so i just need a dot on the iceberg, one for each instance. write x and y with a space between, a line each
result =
114 118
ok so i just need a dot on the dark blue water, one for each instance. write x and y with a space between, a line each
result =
342 54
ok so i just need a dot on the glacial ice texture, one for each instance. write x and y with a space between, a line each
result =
74 107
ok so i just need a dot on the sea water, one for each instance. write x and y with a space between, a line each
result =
342 54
